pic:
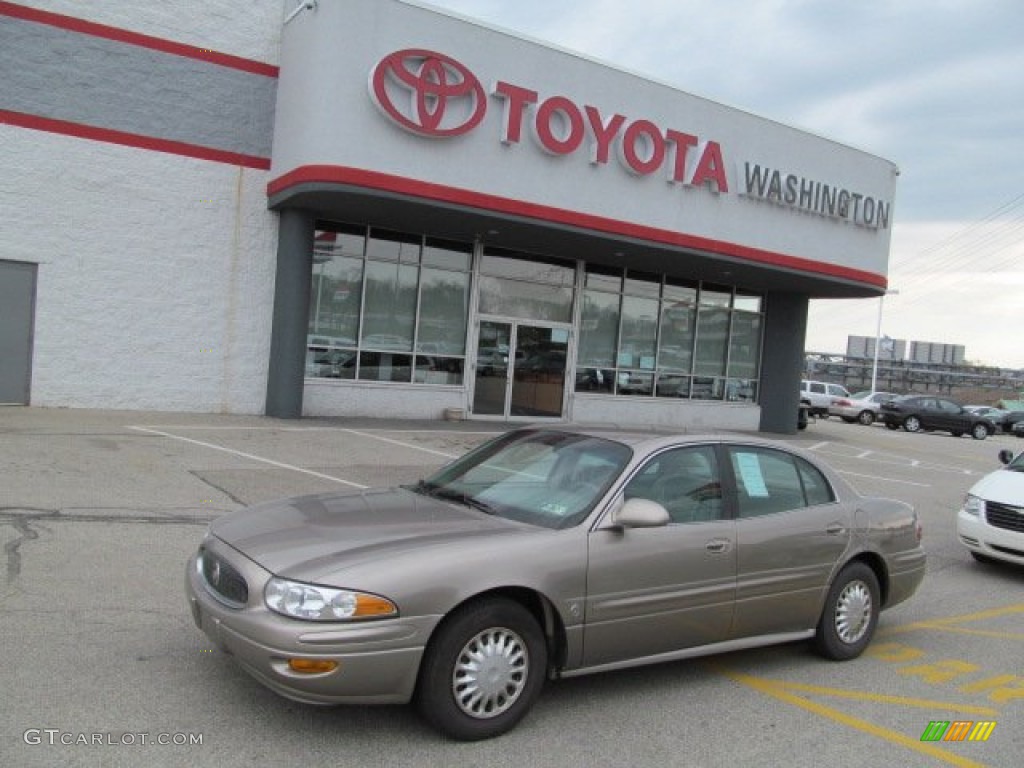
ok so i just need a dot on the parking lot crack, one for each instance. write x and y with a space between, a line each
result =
220 489
13 548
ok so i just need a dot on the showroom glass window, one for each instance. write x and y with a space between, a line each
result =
647 335
388 306
514 284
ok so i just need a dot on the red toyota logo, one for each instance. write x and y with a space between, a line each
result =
428 93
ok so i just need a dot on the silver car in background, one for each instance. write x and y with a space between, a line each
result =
861 407
547 553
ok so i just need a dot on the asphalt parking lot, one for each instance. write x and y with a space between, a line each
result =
100 510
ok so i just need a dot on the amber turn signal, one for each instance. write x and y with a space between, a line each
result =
312 666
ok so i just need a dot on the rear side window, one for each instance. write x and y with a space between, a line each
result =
769 481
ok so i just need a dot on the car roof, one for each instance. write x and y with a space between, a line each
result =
653 438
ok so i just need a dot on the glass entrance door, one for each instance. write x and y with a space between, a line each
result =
520 370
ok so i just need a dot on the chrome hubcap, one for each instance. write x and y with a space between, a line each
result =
853 612
490 673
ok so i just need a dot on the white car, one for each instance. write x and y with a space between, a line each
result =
860 406
991 522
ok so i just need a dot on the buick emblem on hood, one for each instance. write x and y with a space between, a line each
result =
428 93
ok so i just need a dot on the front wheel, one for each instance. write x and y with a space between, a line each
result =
979 431
867 418
482 671
850 615
912 424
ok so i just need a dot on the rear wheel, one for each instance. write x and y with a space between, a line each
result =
912 424
850 615
867 418
483 670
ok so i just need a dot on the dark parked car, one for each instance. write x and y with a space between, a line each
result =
916 413
1011 422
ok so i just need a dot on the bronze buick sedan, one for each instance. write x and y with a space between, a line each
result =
548 553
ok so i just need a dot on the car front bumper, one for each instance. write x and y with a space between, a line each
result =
997 543
377 661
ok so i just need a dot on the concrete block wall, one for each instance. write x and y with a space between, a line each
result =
156 268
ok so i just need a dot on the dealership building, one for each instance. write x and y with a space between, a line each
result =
379 208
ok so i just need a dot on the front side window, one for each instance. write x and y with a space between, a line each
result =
685 481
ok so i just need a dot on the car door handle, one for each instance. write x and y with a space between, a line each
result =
717 546
835 529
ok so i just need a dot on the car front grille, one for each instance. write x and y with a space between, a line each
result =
1004 516
223 580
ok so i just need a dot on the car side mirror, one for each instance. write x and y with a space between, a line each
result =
640 513
1006 455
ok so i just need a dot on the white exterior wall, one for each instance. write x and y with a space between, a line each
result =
366 398
693 416
251 30
156 271
156 274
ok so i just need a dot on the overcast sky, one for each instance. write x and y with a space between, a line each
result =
936 86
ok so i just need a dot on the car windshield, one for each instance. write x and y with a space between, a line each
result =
1017 465
543 477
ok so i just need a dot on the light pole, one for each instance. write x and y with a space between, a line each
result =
878 337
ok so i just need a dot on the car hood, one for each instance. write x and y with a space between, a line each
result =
310 536
1004 485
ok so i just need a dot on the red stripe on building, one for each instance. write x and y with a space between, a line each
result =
138 141
330 174
134 38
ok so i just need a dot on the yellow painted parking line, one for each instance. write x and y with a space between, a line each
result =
880 698
992 613
777 691
978 632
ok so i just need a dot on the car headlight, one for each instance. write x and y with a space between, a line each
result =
974 505
315 603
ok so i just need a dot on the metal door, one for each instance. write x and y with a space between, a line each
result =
17 314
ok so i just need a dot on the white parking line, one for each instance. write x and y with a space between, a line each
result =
399 443
250 456
884 479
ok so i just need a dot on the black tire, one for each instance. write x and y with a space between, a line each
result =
850 615
511 650
979 431
912 424
867 418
